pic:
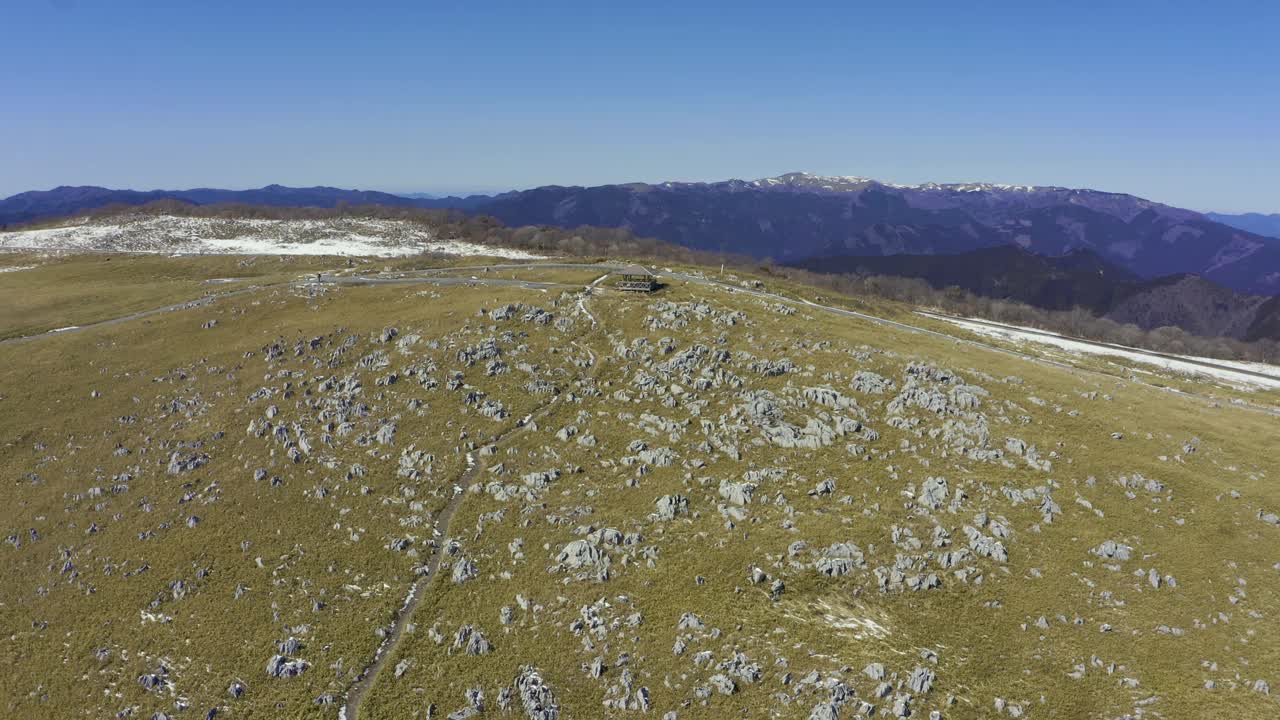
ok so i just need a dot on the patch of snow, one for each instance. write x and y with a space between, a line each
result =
222 236
1264 368
16 268
1226 371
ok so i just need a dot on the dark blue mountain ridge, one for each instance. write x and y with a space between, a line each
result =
797 215
1258 223
36 205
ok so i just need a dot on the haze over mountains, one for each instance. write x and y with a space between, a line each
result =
1266 225
67 200
798 216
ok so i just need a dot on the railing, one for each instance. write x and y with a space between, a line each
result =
636 285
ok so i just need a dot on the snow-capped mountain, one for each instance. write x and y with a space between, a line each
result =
798 215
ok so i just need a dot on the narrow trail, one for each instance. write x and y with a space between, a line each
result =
440 530
582 301
441 280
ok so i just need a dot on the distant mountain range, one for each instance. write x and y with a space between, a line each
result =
61 201
1266 225
797 216
1080 278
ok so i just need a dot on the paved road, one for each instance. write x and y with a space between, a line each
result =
326 279
1202 362
208 299
608 267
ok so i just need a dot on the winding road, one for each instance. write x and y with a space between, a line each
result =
187 305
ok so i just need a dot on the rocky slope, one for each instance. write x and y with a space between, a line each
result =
426 501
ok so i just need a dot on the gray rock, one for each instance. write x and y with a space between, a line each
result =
828 398
933 493
537 698
1112 550
464 570
180 463
386 434
824 488
668 507
777 588
737 493
986 546
579 554
840 559
471 641
824 711
154 682
280 666
723 684
871 383
689 621
921 680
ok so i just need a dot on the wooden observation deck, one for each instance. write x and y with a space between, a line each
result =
636 278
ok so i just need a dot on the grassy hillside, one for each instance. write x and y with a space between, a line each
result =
718 506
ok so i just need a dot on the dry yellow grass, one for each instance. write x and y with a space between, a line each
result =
58 442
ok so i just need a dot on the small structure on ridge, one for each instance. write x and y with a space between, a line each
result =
636 278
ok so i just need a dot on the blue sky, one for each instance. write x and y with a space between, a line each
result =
1176 101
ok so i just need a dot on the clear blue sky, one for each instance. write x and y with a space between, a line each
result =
1176 101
